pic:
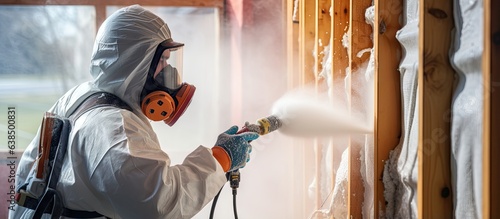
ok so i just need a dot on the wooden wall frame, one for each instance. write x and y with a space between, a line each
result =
340 24
435 87
491 119
387 100
307 34
359 39
346 16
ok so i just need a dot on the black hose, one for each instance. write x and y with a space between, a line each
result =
234 178
214 202
234 204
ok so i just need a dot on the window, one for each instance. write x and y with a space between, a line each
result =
45 51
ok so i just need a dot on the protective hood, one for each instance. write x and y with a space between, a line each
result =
123 51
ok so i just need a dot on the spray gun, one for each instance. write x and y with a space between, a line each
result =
262 127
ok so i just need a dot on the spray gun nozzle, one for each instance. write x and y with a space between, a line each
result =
264 126
269 124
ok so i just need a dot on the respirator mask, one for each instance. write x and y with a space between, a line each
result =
165 96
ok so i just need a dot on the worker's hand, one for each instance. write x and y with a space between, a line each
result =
233 150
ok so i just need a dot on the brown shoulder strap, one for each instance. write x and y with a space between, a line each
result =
99 99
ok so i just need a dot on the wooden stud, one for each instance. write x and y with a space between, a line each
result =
300 154
486 211
335 154
387 115
360 39
307 77
322 36
360 34
435 82
340 59
340 26
306 39
491 119
292 51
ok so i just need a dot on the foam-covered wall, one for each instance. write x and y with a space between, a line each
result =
401 170
400 176
467 106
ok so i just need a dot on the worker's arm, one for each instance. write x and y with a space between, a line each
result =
136 177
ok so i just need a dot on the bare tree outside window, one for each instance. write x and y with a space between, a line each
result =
44 51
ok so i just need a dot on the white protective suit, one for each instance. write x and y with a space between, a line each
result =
114 164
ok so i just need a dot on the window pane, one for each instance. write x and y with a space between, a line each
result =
45 51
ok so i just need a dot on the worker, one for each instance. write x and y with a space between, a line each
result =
114 165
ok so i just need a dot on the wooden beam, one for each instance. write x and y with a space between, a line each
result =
307 27
292 49
387 121
292 52
491 119
359 39
100 5
100 15
340 26
322 36
176 3
340 58
435 82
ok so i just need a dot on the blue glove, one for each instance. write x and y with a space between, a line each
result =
233 150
